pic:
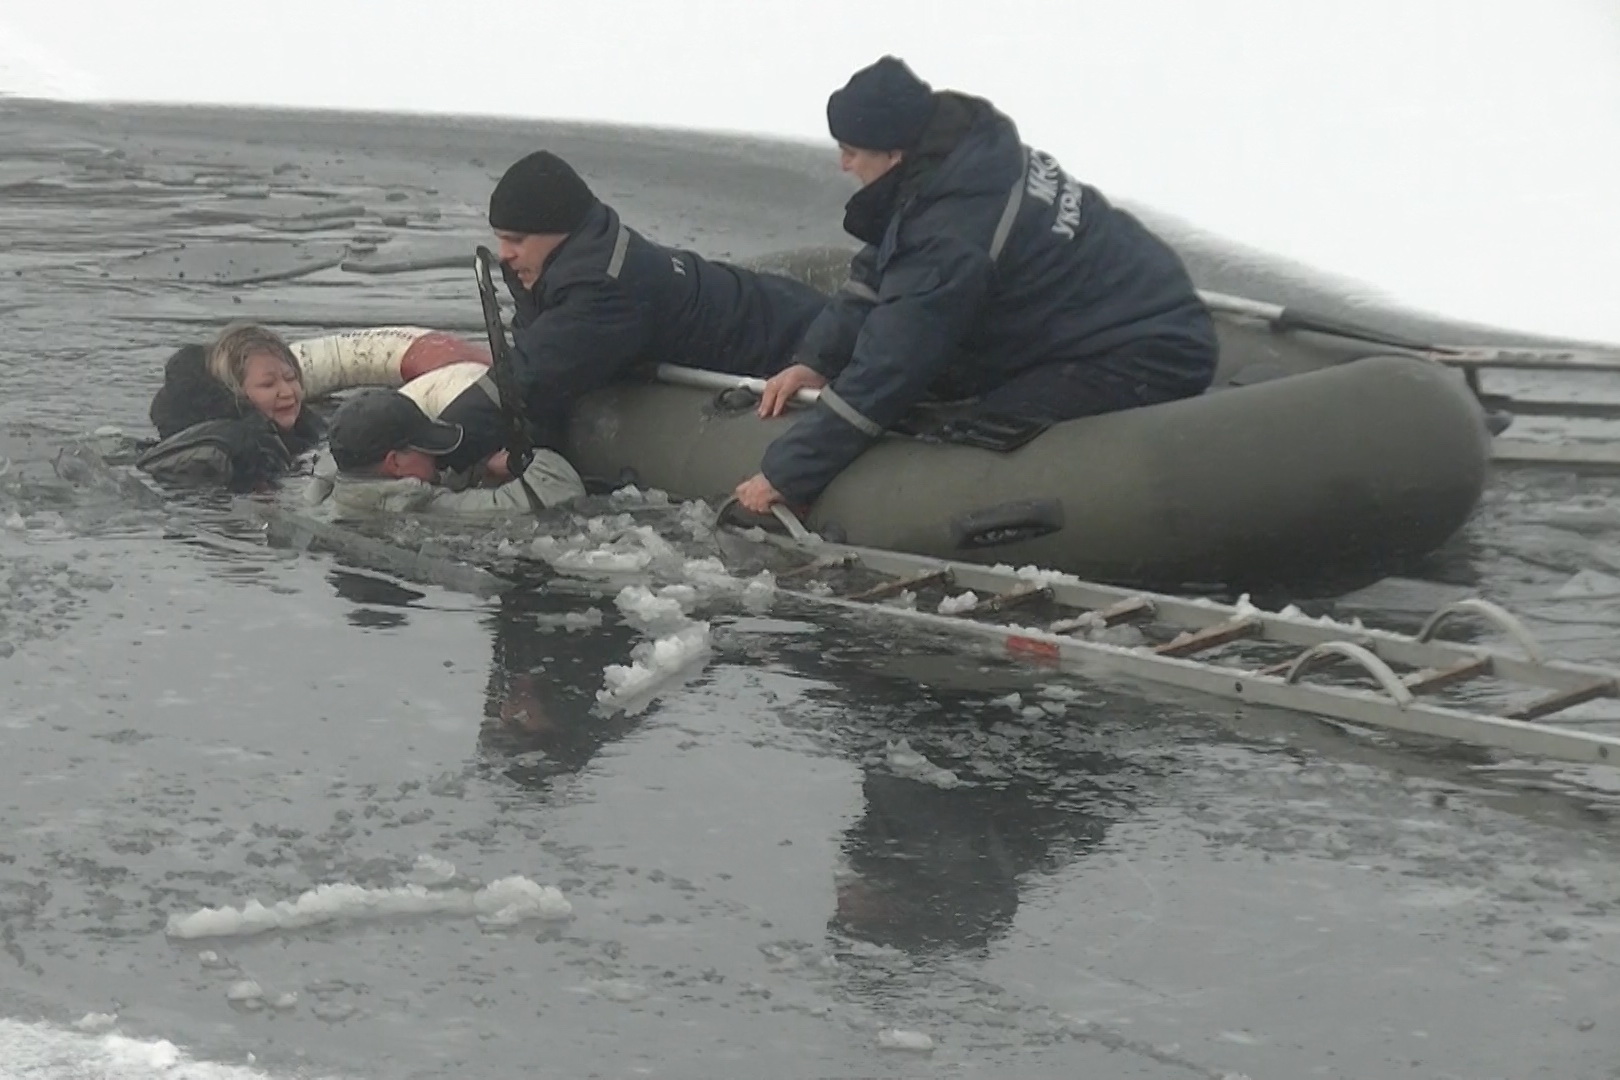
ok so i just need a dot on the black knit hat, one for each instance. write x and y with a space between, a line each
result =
540 193
373 422
882 107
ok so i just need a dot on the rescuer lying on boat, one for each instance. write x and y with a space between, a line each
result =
237 412
597 301
987 272
384 455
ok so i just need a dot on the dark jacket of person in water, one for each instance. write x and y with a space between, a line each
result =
988 271
598 302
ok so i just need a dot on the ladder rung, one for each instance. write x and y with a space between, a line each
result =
825 562
1187 643
1565 699
1130 608
1430 679
1022 594
889 588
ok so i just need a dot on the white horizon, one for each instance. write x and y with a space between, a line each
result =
1455 156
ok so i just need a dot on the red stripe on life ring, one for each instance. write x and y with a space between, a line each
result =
436 349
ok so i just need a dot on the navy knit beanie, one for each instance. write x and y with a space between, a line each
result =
540 193
882 107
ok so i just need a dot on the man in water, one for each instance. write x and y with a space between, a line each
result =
385 455
989 272
597 301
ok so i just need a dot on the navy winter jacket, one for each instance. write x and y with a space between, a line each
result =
984 260
611 304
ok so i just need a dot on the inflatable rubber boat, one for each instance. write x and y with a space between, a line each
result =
1339 472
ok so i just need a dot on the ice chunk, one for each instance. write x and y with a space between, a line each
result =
582 620
500 903
898 1039
245 991
431 870
131 1054
907 762
648 608
621 990
955 605
759 592
654 661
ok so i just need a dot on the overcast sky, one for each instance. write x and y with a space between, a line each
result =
1458 154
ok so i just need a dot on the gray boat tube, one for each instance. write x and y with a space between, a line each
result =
1339 472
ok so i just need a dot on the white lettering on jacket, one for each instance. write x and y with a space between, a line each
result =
1050 184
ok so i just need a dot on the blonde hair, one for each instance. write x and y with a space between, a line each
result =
238 343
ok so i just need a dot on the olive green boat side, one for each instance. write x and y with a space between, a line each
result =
1347 469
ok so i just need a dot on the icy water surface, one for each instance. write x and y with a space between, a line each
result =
299 816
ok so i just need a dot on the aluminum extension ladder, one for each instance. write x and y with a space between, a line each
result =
1236 652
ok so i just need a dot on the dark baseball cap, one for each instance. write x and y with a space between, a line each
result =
373 422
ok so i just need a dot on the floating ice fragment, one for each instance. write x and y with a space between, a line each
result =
897 1039
648 608
94 1021
244 991
621 990
499 903
582 620
432 870
130 1054
654 661
907 762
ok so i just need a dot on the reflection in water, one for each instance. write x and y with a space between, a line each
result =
931 869
377 602
539 718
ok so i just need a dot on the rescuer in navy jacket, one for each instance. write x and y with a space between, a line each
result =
987 271
598 302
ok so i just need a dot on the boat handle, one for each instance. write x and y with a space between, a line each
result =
788 519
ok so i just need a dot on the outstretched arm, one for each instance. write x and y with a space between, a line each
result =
930 295
585 342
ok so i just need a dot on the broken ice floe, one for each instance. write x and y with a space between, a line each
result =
431 870
647 608
505 902
907 762
898 1039
654 661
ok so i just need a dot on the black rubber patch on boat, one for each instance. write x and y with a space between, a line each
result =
1007 523
982 430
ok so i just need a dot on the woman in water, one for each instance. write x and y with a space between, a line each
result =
236 412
